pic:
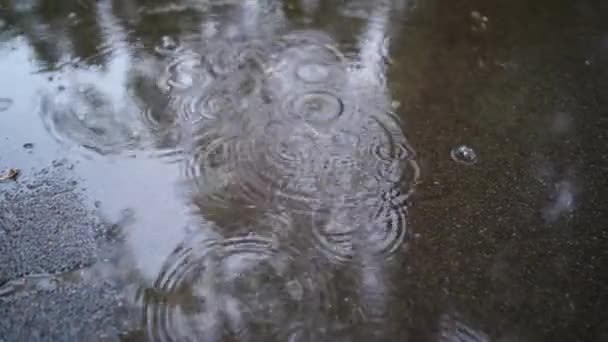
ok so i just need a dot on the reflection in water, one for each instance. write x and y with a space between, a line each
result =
91 119
244 288
5 104
282 125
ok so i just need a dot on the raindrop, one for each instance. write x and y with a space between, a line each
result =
185 72
464 154
5 104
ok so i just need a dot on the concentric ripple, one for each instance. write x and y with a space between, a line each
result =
392 153
275 164
308 63
316 107
229 57
184 72
235 289
377 228
87 117
212 158
203 105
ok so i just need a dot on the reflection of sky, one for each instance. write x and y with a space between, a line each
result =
370 75
145 185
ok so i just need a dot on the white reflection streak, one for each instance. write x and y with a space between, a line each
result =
370 75
372 49
259 17
250 15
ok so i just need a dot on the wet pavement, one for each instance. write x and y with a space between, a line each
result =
264 170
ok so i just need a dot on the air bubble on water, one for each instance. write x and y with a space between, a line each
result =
168 43
464 154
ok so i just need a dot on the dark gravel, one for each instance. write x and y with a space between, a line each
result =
44 225
48 227
66 313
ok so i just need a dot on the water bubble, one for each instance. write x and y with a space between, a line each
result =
167 46
239 287
5 104
308 61
464 154
312 72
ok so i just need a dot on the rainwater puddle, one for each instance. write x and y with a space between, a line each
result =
277 170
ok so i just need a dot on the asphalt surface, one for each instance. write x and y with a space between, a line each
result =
48 231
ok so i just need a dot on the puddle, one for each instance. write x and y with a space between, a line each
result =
295 170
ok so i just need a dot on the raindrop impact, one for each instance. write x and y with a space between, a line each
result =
91 119
240 288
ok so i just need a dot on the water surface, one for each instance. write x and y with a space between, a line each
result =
384 170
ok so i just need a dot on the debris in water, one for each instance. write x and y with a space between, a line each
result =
464 155
11 174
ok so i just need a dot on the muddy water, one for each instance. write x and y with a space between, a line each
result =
327 170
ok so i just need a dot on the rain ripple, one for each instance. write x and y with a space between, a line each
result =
376 229
184 72
237 288
89 118
303 143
